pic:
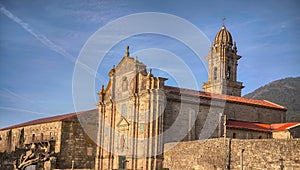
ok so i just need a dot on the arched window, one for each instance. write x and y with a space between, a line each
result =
228 73
215 73
124 84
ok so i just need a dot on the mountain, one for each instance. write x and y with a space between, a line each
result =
285 92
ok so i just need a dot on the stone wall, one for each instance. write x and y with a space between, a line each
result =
219 153
69 142
76 146
281 134
11 139
200 118
17 141
248 134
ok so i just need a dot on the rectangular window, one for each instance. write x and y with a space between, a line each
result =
123 110
142 127
89 151
106 131
122 162
215 73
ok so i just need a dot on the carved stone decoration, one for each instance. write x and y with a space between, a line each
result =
38 152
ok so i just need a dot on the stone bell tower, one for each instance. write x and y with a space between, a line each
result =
222 66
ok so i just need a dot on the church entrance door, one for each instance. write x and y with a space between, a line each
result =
122 162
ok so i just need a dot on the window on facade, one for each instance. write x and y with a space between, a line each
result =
142 127
42 136
228 73
259 137
123 110
215 73
33 137
124 84
234 135
89 151
106 131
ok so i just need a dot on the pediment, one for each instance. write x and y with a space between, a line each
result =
128 64
123 122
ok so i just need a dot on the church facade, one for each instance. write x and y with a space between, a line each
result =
138 113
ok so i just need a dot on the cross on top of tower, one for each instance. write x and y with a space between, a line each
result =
223 21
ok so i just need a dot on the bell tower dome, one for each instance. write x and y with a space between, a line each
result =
223 37
222 66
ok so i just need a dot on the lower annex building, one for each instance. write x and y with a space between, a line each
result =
137 114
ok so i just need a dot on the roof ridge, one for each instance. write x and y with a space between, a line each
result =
47 119
274 103
230 98
271 127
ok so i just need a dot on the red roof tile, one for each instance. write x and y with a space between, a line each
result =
228 98
48 119
261 126
284 126
248 125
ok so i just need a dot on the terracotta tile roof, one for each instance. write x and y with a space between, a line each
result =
284 126
228 98
261 126
248 125
49 119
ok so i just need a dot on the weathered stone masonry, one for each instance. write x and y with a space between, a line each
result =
65 134
220 153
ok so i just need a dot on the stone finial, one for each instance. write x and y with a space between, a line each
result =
112 71
234 47
211 48
150 73
127 51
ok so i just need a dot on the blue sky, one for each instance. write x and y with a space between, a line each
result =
40 42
